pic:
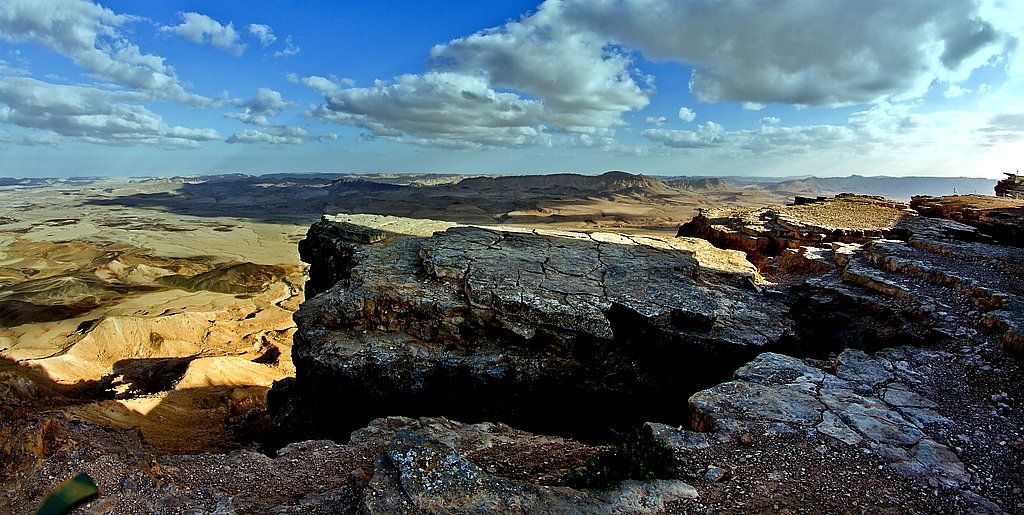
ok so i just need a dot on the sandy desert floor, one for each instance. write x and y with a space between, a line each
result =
166 304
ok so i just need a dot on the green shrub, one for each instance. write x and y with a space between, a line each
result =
639 456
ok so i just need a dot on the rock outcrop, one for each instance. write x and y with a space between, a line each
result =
1002 218
874 400
1012 186
770 231
901 275
393 465
559 331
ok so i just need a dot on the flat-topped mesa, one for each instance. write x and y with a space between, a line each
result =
548 329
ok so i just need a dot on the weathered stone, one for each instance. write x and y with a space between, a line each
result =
775 390
856 365
745 401
716 474
930 459
872 418
833 426
767 232
677 438
999 217
501 323
420 474
1012 186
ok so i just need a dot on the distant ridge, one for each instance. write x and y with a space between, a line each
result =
608 182
702 184
899 188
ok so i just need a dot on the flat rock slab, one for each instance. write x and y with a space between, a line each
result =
862 401
440 317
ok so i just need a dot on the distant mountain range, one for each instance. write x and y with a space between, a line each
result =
897 188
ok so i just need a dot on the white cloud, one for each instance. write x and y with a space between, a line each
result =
446 109
509 86
686 114
263 33
33 138
200 29
89 35
807 53
770 120
568 70
656 120
270 135
267 102
289 48
707 135
954 91
90 114
7 69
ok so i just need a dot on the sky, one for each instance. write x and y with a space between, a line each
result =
660 87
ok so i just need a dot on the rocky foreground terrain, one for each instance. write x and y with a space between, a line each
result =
845 355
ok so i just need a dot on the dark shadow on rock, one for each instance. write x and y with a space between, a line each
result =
145 375
462 344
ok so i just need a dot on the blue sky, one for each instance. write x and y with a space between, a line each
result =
663 87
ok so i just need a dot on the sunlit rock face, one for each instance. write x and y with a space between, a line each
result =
563 331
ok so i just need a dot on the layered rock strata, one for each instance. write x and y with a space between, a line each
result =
550 330
770 231
877 272
1002 218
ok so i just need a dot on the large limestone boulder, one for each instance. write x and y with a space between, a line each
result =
549 329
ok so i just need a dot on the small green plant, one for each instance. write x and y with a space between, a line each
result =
639 456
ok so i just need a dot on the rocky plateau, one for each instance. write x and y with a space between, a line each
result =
844 355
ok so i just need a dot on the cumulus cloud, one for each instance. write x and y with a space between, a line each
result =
806 53
886 132
708 134
954 91
270 136
263 33
448 109
569 70
32 138
656 120
770 120
90 114
255 111
289 48
508 86
201 29
7 69
686 114
89 35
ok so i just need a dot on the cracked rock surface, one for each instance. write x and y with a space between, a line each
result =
868 399
526 326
